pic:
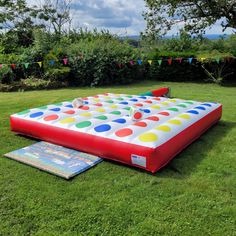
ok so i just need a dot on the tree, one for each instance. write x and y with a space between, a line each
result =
197 15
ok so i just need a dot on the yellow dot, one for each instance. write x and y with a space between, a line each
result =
165 103
155 107
108 97
184 116
113 106
175 122
172 100
100 110
96 99
148 137
67 120
85 114
164 128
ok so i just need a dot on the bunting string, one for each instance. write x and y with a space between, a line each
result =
66 61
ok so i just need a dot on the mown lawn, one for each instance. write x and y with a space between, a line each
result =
194 195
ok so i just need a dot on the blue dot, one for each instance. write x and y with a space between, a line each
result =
55 109
102 128
70 106
193 112
85 102
200 108
37 114
207 104
143 97
120 121
146 110
133 100
124 103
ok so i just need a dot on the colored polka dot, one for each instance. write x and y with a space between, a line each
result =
55 109
85 98
86 103
100 110
200 108
138 115
184 116
109 101
129 96
23 112
70 112
68 120
148 137
127 108
143 97
148 101
175 122
189 102
113 106
153 118
172 100
163 128
44 107
124 132
98 104
58 104
193 112
102 128
133 100
120 99
155 107
146 110
182 105
138 104
164 113
157 99
115 112
124 103
120 121
96 96
207 104
172 109
70 106
51 117
83 124
165 103
141 124
87 114
36 114
84 108
101 117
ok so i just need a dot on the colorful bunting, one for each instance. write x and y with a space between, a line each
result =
159 62
26 65
180 59
150 62
40 63
1 65
140 62
190 60
131 62
65 61
170 61
52 62
13 66
218 60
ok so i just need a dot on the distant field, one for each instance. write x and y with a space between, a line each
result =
193 195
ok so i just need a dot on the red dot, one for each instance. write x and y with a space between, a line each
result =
124 132
141 124
164 113
70 112
138 115
138 104
85 98
148 101
84 108
98 104
106 94
154 118
51 117
157 99
96 96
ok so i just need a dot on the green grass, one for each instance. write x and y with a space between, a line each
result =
194 195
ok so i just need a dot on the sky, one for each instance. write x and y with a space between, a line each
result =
122 17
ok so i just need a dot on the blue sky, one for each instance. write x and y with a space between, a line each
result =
123 17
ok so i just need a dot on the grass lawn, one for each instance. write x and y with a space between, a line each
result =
194 195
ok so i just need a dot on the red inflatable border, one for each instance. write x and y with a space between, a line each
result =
120 151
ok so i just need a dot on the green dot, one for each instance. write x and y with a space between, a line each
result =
101 117
58 104
182 105
43 107
109 101
129 96
127 108
173 109
120 99
83 124
23 112
116 112
189 102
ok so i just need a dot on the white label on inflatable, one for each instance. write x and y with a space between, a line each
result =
138 160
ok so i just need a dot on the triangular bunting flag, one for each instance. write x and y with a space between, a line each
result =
149 62
13 66
159 62
40 63
140 62
202 59
131 62
229 59
180 59
170 61
217 60
190 60
119 65
51 62
0 66
26 65
65 61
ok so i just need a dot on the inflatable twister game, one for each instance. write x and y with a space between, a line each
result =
144 131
